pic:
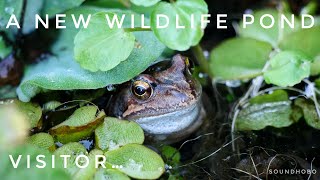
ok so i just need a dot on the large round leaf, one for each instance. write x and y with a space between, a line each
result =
100 47
239 58
288 68
176 38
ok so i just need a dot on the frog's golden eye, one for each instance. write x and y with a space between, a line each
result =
141 89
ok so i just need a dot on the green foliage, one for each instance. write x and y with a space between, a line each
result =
179 39
8 172
145 3
272 35
309 112
103 174
68 75
52 7
31 111
42 140
114 133
100 47
276 96
239 58
259 116
291 66
79 125
137 161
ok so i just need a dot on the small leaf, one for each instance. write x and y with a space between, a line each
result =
42 140
171 155
145 3
291 66
32 112
259 116
173 37
276 96
100 47
272 35
136 161
309 112
79 125
103 174
52 7
239 58
114 133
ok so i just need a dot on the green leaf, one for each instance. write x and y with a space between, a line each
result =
272 35
14 126
291 66
114 133
145 3
74 150
31 111
42 140
8 172
68 75
79 125
136 161
103 174
173 37
276 96
52 7
305 40
239 58
309 112
259 116
100 47
171 155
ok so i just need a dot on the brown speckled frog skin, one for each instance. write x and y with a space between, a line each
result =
171 109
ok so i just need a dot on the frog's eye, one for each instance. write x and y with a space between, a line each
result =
141 89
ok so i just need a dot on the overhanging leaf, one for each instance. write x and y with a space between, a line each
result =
173 37
52 7
239 58
291 66
100 47
68 75
309 112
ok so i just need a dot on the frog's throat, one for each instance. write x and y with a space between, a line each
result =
173 122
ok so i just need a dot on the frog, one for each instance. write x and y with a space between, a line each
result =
165 102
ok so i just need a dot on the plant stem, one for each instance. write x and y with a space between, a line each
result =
137 29
202 61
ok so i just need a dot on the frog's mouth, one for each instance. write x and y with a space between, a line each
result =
176 122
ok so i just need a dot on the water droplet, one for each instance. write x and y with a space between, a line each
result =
110 87
9 10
